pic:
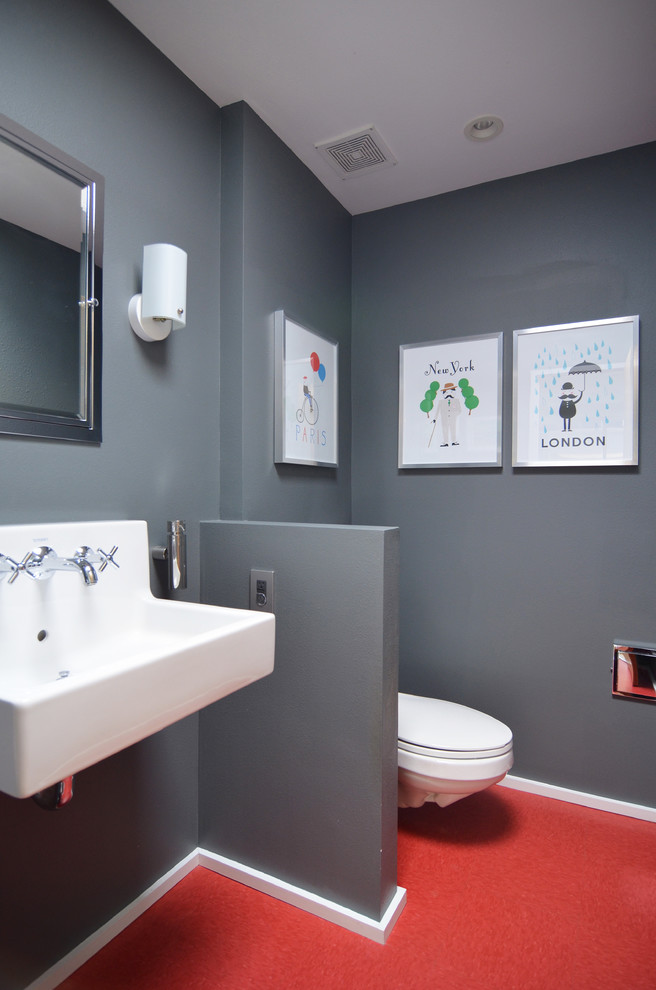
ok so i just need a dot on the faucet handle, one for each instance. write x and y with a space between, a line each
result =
32 564
107 558
8 566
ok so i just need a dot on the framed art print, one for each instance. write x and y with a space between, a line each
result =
575 394
305 395
450 403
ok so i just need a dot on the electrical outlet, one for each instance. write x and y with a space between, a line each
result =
261 596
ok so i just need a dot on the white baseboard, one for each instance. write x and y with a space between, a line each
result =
580 797
74 959
378 931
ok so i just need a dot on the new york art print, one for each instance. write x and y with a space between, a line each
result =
450 403
575 394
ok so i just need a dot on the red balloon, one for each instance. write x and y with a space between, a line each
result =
314 361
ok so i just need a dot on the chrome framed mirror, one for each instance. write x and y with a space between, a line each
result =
51 220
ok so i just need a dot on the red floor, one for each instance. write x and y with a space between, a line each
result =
506 891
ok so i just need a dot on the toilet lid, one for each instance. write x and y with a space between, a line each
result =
433 727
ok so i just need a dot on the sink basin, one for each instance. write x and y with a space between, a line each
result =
86 670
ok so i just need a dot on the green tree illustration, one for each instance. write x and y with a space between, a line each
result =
428 401
471 400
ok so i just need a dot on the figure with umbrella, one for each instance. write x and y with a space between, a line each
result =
567 409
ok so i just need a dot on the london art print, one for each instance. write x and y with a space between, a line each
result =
450 403
575 394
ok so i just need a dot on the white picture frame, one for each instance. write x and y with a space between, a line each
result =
306 395
575 394
450 412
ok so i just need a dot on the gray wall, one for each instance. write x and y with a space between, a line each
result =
81 77
515 582
298 771
285 244
77 74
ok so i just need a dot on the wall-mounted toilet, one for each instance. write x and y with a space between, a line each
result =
447 751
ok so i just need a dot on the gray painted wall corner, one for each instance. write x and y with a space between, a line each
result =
298 771
286 244
515 582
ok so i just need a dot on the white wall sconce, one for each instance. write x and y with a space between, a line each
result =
161 306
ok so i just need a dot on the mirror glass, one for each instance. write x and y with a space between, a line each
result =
50 286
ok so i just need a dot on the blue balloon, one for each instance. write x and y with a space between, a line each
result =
322 372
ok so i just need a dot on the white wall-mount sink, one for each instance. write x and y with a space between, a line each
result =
86 670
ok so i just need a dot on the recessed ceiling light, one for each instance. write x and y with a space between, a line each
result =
484 128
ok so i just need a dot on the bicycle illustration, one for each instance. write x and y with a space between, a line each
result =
309 410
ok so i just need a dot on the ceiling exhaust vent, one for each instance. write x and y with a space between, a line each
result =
357 153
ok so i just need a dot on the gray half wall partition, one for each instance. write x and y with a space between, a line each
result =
298 771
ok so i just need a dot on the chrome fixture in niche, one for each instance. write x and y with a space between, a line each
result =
634 671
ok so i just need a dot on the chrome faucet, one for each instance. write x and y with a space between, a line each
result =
81 559
40 564
44 561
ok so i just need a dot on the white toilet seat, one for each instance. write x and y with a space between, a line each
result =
439 729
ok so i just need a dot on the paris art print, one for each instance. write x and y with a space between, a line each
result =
305 395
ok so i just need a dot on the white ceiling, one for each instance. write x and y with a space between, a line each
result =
569 78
